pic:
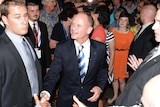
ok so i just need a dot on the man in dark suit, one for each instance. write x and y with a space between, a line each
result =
17 58
67 68
144 41
147 69
40 37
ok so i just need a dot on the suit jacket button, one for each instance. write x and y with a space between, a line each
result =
82 87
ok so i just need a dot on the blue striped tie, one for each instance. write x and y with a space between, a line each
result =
82 64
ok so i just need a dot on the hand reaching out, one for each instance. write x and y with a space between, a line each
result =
41 103
77 103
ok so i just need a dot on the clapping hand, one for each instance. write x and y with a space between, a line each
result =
133 62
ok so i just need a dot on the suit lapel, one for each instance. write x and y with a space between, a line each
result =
150 63
72 51
31 35
14 51
93 56
145 30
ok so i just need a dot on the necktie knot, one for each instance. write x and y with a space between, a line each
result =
80 47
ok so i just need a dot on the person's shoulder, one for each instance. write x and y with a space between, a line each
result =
3 40
41 23
65 43
58 25
95 42
131 32
110 34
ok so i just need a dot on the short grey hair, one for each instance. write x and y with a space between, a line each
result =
44 1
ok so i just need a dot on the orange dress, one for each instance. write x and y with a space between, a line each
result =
123 42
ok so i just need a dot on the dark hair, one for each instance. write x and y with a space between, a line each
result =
68 5
124 13
6 3
104 15
67 13
32 3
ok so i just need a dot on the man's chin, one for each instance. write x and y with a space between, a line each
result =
157 39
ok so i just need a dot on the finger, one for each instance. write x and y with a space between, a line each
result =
74 105
132 66
76 99
140 60
134 57
93 98
36 99
131 60
80 104
44 98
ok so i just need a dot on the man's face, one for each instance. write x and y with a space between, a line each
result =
156 26
116 2
17 19
33 12
140 6
51 5
80 28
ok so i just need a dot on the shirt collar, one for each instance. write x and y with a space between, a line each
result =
31 23
146 25
84 44
14 37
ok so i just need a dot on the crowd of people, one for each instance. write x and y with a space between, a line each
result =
67 53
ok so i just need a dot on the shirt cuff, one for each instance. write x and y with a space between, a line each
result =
37 106
46 92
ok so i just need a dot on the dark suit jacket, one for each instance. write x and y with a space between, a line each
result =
65 67
134 87
1 29
44 47
144 43
15 89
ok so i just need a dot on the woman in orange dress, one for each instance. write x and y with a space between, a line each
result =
123 39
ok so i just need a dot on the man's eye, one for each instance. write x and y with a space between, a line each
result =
17 17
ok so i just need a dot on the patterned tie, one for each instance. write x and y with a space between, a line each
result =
82 64
31 68
35 34
34 29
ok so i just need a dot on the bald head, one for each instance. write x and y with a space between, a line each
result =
147 14
85 17
81 27
151 92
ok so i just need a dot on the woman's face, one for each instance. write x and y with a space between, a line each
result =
123 22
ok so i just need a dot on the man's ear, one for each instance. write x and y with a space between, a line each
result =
4 19
89 30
